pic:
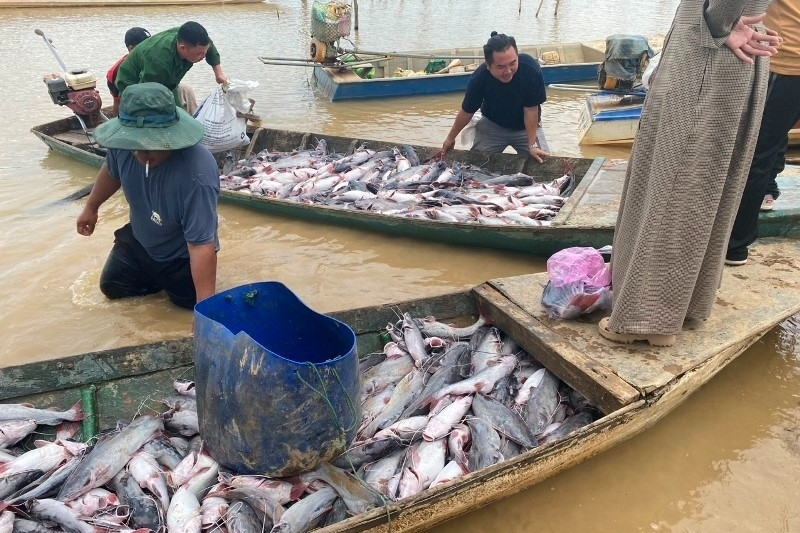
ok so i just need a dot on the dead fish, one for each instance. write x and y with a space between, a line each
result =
304 515
440 424
504 420
405 393
484 381
425 461
185 387
164 452
241 518
337 513
108 457
542 404
41 416
379 474
184 422
485 449
13 431
6 522
566 427
457 443
431 328
42 488
183 514
452 470
145 470
144 511
22 525
58 512
415 343
447 374
358 497
213 510
490 349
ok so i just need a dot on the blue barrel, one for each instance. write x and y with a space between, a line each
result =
277 383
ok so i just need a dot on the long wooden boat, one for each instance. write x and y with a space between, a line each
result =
587 218
118 3
613 118
561 63
634 386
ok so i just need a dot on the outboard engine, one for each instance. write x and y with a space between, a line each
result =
77 90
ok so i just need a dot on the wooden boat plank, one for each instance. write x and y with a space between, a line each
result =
79 370
752 299
596 201
580 371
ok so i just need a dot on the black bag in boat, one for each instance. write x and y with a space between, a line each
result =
627 56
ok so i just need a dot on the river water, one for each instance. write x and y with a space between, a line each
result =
727 460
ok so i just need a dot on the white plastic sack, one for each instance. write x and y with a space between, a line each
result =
650 70
236 92
468 133
223 130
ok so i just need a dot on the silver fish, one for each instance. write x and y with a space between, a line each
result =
58 512
109 457
304 515
504 420
13 431
358 497
241 518
41 416
430 327
485 449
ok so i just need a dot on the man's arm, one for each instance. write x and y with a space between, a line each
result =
219 75
203 264
531 119
461 121
104 187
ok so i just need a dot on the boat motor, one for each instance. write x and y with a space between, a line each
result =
75 89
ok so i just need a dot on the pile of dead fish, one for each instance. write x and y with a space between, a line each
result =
437 403
395 182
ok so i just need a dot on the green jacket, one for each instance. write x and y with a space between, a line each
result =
156 59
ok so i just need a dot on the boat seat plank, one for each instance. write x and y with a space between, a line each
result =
752 299
596 200
73 137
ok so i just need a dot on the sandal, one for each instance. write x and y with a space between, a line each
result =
654 339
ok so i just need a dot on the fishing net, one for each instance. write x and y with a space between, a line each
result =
330 20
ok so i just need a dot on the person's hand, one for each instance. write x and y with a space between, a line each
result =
745 42
537 153
221 78
448 145
86 222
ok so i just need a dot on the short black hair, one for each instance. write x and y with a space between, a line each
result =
498 42
135 35
193 34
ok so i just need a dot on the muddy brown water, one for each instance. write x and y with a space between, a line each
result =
728 459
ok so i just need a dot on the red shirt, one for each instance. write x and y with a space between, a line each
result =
111 75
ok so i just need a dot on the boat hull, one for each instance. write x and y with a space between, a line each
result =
563 63
634 387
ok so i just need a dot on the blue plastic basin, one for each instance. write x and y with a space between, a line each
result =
277 382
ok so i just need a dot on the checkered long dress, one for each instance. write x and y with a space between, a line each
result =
686 173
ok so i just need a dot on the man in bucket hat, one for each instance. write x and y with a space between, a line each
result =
172 185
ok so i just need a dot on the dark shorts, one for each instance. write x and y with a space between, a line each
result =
130 271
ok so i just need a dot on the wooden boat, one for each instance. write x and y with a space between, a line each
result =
561 63
118 3
634 386
587 218
613 118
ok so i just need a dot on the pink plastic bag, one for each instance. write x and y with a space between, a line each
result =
580 282
578 264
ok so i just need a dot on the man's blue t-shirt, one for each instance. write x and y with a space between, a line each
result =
175 205
502 103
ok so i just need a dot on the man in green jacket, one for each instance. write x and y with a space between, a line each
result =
167 56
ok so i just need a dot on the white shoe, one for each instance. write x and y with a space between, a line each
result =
768 203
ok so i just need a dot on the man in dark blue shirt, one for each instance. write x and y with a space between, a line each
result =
509 90
171 183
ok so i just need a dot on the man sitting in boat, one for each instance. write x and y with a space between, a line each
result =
167 56
509 90
171 183
133 37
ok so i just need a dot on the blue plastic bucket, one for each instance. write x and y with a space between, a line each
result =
277 382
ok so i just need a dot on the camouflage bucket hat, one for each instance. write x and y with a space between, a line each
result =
149 120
